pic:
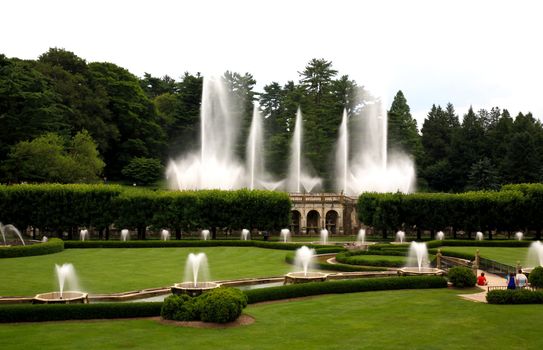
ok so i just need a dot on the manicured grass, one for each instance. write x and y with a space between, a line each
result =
508 256
414 319
124 269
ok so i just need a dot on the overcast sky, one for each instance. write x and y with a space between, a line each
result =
480 53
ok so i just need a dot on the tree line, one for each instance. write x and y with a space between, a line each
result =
64 119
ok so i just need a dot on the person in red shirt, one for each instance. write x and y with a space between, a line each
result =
481 280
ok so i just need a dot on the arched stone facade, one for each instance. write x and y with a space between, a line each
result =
335 212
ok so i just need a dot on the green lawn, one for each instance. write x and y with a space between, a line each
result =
123 269
414 319
508 256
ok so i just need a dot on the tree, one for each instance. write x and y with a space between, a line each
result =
483 175
402 128
46 159
144 171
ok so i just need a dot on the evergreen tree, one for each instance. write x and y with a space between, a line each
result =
402 128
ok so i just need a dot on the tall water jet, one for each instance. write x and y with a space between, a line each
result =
361 237
298 179
400 236
244 234
417 261
254 153
165 235
440 235
370 167
215 165
304 259
83 234
125 235
4 229
284 235
196 276
66 273
342 156
204 235
479 236
324 236
519 236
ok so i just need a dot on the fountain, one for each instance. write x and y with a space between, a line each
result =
284 235
298 178
125 235
83 235
400 237
196 274
363 163
535 256
204 235
324 236
303 259
10 228
44 239
440 235
479 236
361 237
244 234
519 236
66 277
165 235
417 262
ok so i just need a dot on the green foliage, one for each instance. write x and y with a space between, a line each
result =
221 305
48 159
53 245
345 286
60 312
462 277
514 296
536 277
143 171
402 130
289 259
397 259
180 308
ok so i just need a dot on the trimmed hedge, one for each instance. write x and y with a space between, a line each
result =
474 243
511 208
58 312
514 296
221 305
53 245
462 277
345 286
536 277
361 260
57 208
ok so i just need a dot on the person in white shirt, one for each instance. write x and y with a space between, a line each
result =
521 279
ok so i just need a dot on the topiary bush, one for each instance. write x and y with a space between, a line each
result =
221 305
180 308
462 277
515 296
536 277
54 245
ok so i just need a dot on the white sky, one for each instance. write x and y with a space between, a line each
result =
480 53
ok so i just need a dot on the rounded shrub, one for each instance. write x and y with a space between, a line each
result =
221 305
179 308
536 277
462 277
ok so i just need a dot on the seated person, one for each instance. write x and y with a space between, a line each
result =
511 284
481 280
521 279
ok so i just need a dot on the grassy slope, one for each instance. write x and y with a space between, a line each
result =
116 270
416 319
508 256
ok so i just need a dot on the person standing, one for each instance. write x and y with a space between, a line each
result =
521 279
511 281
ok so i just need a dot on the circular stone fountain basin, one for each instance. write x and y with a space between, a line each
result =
301 277
415 271
193 289
67 298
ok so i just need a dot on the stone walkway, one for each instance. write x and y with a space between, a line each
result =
492 279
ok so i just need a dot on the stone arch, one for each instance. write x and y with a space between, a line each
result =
296 220
331 221
313 221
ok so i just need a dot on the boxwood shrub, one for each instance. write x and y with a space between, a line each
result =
536 277
514 296
221 305
462 277
54 245
344 286
57 312
180 308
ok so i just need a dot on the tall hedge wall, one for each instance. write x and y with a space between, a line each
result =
515 207
61 207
